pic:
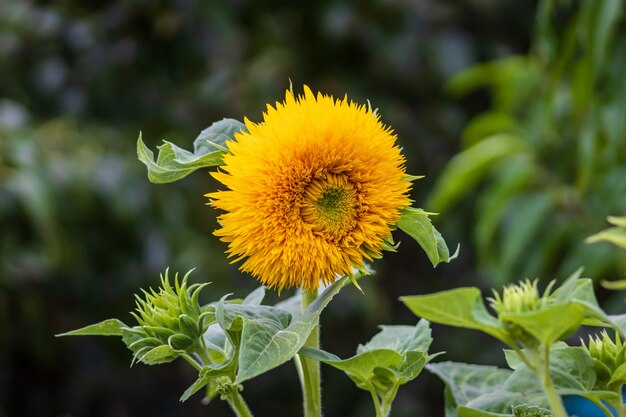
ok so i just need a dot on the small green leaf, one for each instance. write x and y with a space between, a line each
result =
110 327
416 223
256 297
619 376
158 355
174 163
214 137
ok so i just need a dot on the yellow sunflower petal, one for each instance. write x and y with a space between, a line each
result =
312 191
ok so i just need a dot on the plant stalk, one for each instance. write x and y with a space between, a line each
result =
237 403
554 399
376 401
388 400
311 368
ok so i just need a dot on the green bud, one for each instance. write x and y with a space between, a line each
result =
520 298
169 316
225 387
608 357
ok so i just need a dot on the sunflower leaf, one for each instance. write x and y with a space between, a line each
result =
110 327
395 356
265 337
215 136
416 223
174 163
460 307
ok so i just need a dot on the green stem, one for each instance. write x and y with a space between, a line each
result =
602 407
193 363
203 354
238 404
556 404
376 401
388 400
618 404
311 368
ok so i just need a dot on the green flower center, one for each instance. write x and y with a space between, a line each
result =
330 205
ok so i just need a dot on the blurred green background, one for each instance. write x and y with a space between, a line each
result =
515 110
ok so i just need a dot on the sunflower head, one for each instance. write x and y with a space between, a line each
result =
311 192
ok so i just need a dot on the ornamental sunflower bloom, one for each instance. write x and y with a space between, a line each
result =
313 191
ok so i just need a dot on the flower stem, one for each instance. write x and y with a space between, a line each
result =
237 403
311 368
556 404
388 400
603 407
376 401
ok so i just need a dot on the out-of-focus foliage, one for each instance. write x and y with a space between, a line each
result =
547 160
81 228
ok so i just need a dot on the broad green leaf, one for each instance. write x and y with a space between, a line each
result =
466 169
460 307
401 339
416 223
570 367
360 368
395 356
267 336
110 327
468 383
549 324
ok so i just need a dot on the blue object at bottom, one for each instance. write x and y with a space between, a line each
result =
582 407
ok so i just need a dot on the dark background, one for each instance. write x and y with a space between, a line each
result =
82 229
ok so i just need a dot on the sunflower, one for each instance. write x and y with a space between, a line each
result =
313 191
